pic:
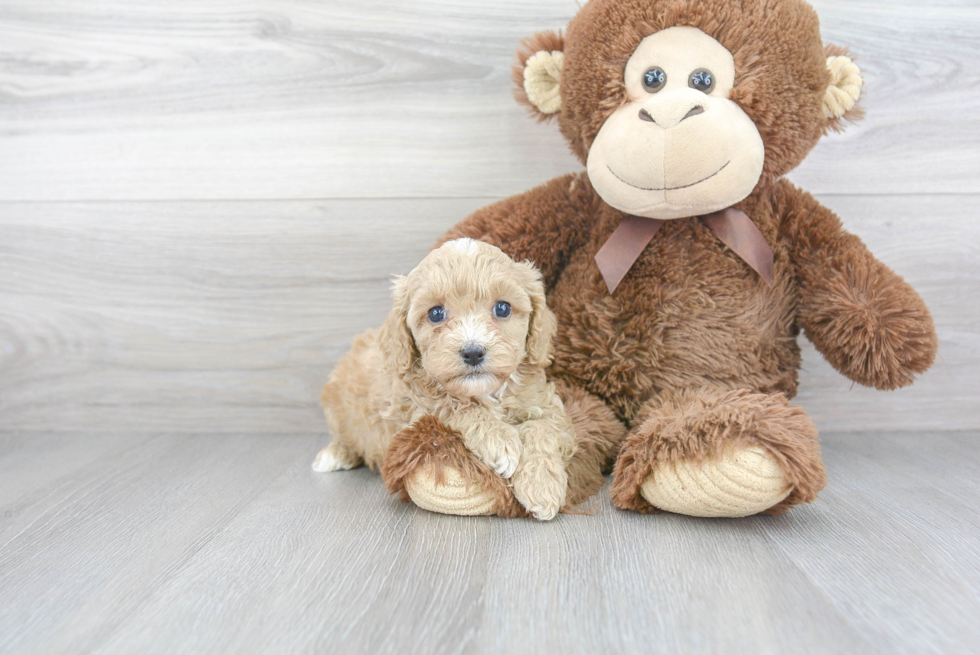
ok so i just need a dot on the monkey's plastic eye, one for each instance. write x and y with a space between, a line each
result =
702 79
654 79
437 314
501 309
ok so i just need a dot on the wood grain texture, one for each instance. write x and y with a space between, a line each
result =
287 99
230 543
900 511
229 316
78 554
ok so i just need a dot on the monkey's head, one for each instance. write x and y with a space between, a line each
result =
684 108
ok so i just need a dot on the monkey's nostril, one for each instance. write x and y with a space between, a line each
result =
694 111
644 116
472 354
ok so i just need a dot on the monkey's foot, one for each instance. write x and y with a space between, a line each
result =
453 495
428 464
719 454
740 483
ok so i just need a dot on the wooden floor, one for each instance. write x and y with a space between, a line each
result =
116 543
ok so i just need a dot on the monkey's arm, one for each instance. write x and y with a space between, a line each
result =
864 318
542 225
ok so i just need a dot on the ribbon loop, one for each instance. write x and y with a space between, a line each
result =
732 226
623 248
738 232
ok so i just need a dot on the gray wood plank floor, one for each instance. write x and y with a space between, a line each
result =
230 543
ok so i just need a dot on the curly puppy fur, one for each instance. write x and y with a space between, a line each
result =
502 408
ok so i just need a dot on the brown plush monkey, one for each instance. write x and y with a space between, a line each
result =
681 265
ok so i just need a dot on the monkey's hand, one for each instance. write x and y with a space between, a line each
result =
866 320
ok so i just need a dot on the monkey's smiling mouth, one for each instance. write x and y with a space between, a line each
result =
669 188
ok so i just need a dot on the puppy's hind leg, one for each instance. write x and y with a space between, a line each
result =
336 457
344 399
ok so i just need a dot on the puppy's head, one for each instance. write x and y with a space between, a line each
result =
468 316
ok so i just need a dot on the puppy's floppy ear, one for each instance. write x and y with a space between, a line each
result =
398 351
543 325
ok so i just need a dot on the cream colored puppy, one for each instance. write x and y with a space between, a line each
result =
467 341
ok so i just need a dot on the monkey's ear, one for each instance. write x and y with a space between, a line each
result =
537 73
842 94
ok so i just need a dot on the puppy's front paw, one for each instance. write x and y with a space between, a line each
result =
506 459
501 450
540 485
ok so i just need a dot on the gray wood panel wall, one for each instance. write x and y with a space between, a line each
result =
201 202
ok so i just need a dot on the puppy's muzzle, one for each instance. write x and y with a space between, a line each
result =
472 354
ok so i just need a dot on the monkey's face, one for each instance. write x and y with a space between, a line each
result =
679 147
684 108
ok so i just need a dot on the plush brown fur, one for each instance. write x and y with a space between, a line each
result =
693 351
859 314
597 437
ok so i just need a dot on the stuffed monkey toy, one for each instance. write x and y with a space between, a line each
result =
682 266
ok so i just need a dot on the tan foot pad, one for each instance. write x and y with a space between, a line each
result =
741 483
451 497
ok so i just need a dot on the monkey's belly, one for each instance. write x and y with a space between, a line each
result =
655 334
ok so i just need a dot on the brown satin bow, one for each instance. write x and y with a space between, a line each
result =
731 226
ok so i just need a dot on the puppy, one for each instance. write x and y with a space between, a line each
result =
467 341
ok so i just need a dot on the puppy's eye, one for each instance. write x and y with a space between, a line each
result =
702 80
437 314
654 79
501 309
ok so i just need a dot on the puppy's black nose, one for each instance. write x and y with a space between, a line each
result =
472 354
